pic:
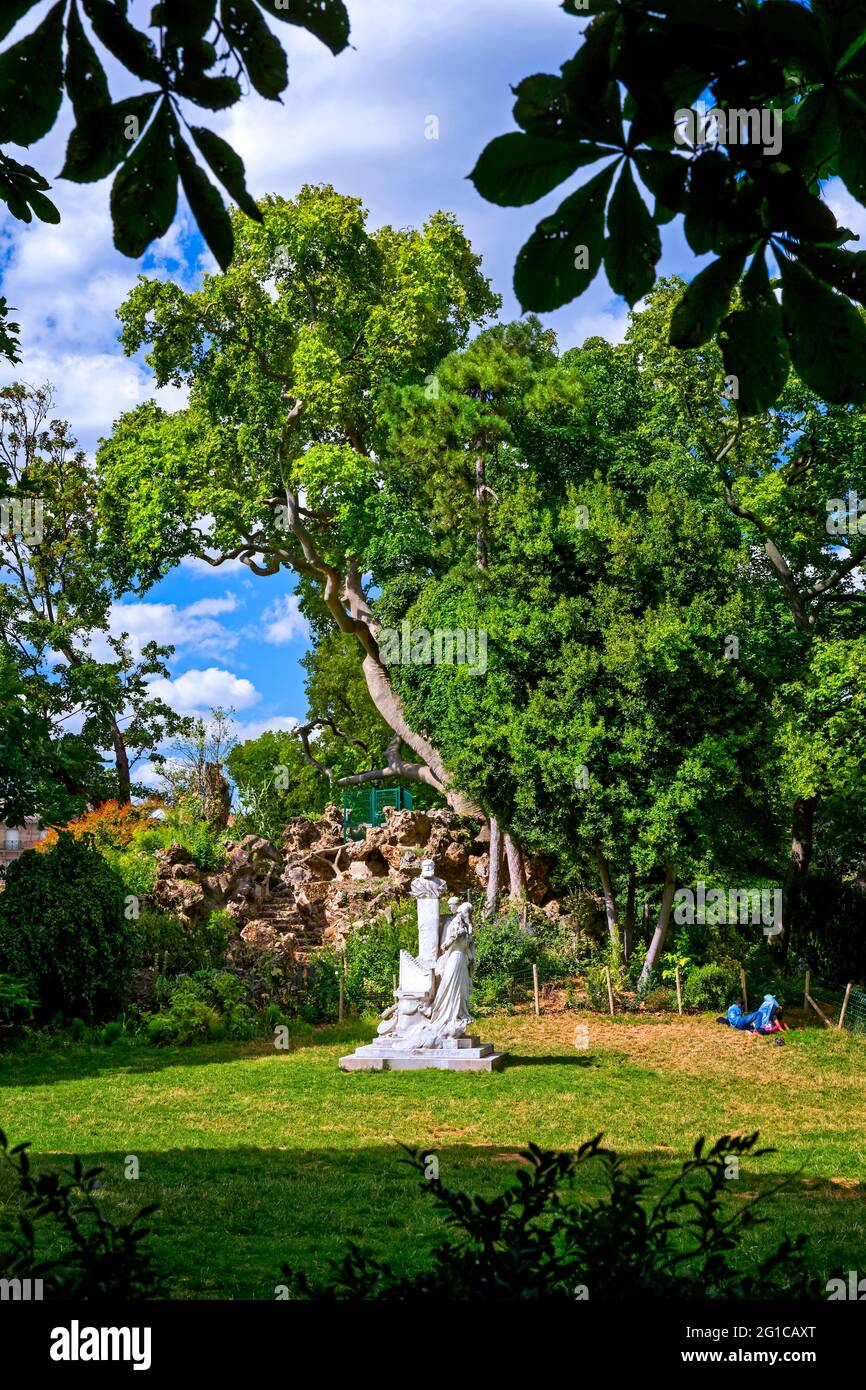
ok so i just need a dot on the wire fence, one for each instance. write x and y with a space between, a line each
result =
840 1006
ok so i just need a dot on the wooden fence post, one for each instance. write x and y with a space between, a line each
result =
535 987
609 987
743 988
844 1005
679 992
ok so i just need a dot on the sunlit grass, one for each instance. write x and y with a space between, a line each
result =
258 1156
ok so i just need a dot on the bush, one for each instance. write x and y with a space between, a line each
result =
203 845
660 1000
99 1259
372 959
529 1243
174 947
110 826
712 986
210 1004
16 1004
63 933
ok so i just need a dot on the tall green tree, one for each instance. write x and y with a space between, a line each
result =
793 480
277 461
55 597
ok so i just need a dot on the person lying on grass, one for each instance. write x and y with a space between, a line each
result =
766 1019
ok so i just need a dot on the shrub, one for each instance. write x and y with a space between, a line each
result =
203 845
16 1004
180 948
137 870
372 959
63 933
529 1243
210 1004
660 1000
712 986
504 947
317 997
99 1259
110 826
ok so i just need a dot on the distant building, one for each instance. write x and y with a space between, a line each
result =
14 839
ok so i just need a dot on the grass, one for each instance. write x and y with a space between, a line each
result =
258 1157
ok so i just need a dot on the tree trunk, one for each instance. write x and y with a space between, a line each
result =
516 876
802 840
432 770
121 758
657 945
609 898
494 857
628 926
480 538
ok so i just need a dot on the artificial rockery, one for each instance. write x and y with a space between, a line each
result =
666 622
317 886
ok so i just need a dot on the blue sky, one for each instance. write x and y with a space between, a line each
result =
357 121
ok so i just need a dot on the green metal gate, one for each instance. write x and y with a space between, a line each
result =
365 806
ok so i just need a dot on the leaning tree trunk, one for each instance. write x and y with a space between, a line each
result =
657 945
494 860
628 925
516 875
609 898
121 758
802 840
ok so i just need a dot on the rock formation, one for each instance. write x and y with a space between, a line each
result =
315 888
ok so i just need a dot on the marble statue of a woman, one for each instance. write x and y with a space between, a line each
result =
428 1023
450 1016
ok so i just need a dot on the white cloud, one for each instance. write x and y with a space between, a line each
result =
610 323
149 776
193 627
210 607
284 620
197 691
277 723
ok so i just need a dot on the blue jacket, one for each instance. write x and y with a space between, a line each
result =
759 1021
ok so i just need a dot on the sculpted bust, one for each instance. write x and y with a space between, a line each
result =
428 885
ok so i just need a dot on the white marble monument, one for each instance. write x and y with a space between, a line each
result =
427 1025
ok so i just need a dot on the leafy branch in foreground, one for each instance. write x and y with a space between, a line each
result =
201 52
534 1241
99 1259
735 113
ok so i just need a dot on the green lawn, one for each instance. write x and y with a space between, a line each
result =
257 1156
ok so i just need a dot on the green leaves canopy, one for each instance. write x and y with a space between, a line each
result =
805 70
203 47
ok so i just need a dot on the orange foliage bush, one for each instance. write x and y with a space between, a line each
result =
112 825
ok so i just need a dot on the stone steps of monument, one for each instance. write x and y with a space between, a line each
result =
284 916
457 1054
429 1060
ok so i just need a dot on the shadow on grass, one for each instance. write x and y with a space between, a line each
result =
229 1218
55 1059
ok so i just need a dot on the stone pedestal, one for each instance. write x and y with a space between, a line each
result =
457 1054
